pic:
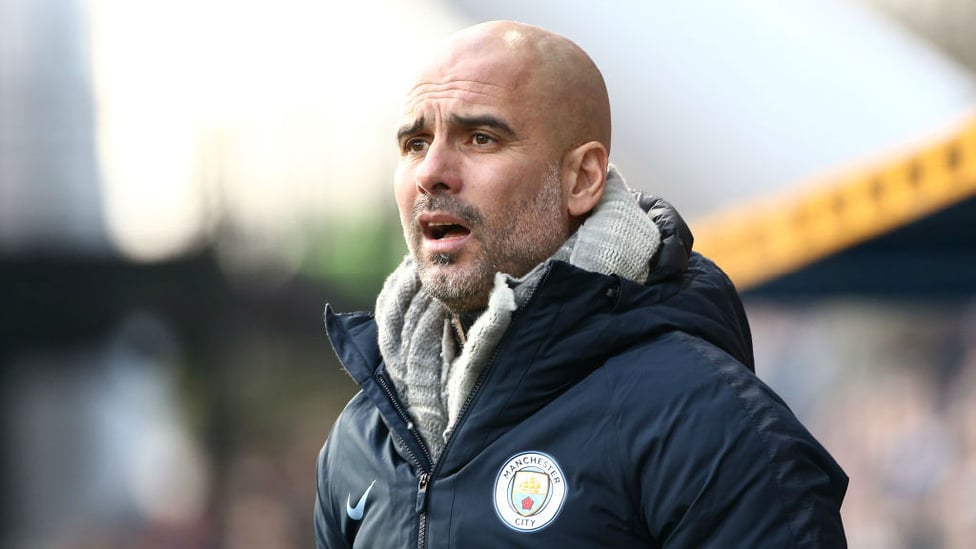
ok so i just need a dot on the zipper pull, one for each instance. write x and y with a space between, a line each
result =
422 492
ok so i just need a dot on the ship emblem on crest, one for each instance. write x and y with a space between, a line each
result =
529 491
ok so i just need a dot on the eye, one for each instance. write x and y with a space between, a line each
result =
415 145
479 138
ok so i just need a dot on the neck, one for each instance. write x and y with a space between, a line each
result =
462 322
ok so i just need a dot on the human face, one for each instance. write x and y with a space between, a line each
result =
478 182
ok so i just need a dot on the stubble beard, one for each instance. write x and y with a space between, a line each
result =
512 242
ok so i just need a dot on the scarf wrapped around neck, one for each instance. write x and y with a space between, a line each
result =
432 376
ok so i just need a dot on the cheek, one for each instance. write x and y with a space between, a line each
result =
404 192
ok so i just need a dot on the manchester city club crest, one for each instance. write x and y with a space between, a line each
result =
530 490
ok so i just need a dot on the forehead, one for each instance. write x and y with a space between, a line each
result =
467 78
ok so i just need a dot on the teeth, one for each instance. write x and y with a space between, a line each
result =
441 229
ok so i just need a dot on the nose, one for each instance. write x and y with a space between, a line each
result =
438 172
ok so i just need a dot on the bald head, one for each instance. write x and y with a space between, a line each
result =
555 78
504 142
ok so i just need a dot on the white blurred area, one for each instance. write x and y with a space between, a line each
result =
265 115
256 124
165 126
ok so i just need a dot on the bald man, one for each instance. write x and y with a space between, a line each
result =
551 365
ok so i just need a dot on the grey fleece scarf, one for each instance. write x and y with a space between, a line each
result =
432 376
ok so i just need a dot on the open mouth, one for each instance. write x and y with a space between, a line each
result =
438 231
443 226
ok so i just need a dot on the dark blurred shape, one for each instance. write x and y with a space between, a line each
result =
932 258
101 359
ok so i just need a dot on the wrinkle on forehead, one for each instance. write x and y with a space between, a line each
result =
471 92
478 87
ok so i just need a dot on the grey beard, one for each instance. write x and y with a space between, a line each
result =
450 292
501 248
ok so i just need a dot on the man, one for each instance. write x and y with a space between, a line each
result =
551 365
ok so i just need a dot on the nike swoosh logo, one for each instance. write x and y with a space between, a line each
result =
356 513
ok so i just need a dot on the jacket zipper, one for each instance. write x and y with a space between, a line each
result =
463 412
425 477
425 471
422 508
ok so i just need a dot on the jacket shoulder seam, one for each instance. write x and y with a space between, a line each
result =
751 416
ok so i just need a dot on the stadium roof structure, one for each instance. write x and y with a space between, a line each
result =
903 226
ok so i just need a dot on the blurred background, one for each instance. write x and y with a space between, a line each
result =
184 185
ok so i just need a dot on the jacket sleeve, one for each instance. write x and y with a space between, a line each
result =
724 463
328 534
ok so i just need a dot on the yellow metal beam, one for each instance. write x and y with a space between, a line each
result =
757 241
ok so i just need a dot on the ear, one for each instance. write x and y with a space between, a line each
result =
585 169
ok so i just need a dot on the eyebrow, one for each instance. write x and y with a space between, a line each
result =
410 129
481 121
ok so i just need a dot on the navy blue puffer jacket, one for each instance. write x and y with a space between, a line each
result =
612 414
